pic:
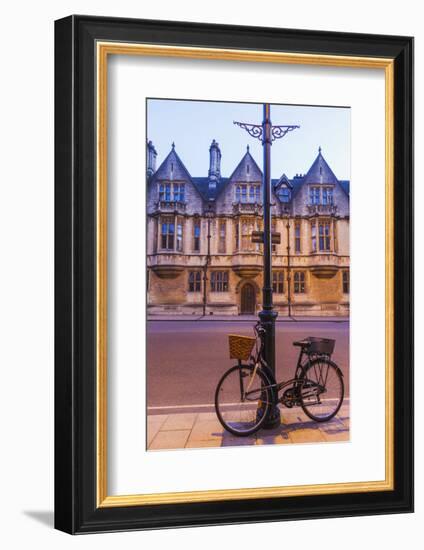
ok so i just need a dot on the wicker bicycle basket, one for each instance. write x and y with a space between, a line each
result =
240 346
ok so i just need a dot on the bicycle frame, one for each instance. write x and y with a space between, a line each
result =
260 389
274 386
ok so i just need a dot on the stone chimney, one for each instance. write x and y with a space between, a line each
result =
214 164
151 159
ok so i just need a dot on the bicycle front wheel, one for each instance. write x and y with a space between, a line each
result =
321 389
242 400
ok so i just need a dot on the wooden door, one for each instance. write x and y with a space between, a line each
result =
248 299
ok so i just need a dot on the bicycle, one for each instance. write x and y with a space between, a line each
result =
247 392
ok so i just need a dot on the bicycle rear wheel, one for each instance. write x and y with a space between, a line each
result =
242 400
321 389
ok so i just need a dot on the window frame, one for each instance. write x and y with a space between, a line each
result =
278 283
246 235
243 194
314 236
179 235
314 195
284 194
297 238
299 282
194 281
327 196
219 281
169 236
196 238
273 230
171 192
222 236
346 283
324 235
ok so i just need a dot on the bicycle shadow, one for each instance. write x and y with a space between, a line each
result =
334 428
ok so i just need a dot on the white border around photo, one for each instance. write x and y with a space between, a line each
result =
132 470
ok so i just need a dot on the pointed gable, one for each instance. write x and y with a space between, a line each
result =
172 168
282 189
283 182
247 170
173 174
320 172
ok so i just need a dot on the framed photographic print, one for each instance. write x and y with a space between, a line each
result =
233 271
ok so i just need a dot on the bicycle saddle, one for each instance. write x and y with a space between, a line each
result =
302 343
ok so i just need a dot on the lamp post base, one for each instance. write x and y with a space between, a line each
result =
273 420
267 318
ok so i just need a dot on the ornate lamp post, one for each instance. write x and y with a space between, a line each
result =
267 133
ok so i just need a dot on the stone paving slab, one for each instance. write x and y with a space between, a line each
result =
171 439
203 430
155 423
180 421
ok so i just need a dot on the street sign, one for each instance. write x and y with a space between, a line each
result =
258 237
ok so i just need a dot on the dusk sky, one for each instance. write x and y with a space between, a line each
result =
192 125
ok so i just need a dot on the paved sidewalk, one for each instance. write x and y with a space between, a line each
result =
249 318
202 429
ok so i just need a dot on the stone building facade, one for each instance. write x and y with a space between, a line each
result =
200 255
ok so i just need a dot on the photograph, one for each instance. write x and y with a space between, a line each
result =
210 308
233 273
247 336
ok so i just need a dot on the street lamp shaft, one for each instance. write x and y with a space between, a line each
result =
267 134
266 141
267 315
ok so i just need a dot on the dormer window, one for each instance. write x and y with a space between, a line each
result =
284 194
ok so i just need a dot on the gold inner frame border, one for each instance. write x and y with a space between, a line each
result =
103 50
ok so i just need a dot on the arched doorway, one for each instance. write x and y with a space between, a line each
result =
248 299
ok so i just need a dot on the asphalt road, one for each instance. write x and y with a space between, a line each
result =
186 359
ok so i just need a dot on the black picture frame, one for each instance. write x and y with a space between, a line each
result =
76 509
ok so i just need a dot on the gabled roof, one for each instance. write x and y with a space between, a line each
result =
179 170
164 169
320 172
239 174
255 173
283 180
202 185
